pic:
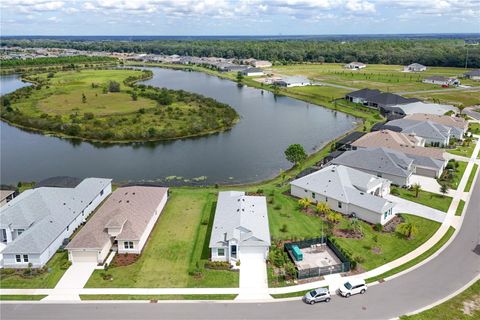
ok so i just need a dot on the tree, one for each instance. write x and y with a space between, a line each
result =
304 203
239 77
408 229
356 226
444 189
416 187
113 86
295 153
134 96
322 208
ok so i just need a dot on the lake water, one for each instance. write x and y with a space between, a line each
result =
251 151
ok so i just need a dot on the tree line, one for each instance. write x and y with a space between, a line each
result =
430 52
12 63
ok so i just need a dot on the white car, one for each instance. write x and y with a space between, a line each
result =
352 287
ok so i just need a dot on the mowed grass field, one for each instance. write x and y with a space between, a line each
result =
466 98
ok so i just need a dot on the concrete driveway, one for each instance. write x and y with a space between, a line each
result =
253 275
428 184
405 206
76 276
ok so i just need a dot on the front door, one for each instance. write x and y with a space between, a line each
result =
233 251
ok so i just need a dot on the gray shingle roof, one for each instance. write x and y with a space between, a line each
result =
377 160
425 129
346 185
45 213
364 93
240 217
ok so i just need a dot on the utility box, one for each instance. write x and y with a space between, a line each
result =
297 253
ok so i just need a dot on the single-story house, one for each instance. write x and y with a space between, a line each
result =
240 227
414 67
261 64
435 134
346 142
472 75
441 80
348 191
292 82
123 223
6 196
355 65
35 224
458 125
377 99
253 72
381 162
424 107
362 96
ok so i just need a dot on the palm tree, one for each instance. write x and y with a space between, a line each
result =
416 187
408 229
322 208
355 224
304 203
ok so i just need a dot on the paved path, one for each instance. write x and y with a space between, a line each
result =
253 277
472 113
405 206
74 278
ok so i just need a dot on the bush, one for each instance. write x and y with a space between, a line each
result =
358 258
378 227
65 265
284 228
277 207
218 265
395 192
113 86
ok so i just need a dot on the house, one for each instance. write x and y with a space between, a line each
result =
292 82
424 107
6 196
405 143
435 134
376 98
441 80
458 125
362 96
381 162
35 224
355 65
261 64
253 72
123 223
414 67
348 191
240 227
346 142
472 75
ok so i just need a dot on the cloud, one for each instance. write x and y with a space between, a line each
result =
28 6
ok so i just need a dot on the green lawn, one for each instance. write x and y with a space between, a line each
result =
465 306
464 151
457 177
177 242
18 297
417 260
290 295
474 127
45 280
460 207
468 186
465 97
433 200
158 297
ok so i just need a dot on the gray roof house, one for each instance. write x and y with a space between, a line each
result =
381 162
35 224
240 227
349 191
294 81
253 72
435 134
414 67
377 99
473 75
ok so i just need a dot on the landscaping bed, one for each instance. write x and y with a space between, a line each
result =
124 259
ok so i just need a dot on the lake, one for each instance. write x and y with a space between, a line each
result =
252 151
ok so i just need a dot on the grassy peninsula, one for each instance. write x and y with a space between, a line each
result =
108 106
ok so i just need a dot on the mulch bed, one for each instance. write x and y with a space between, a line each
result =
347 233
392 224
122 260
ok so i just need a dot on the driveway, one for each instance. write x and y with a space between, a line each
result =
253 274
405 206
76 276
428 184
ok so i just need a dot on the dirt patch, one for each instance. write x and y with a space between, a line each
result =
392 224
471 306
377 250
347 233
122 260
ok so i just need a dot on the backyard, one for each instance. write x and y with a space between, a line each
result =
429 199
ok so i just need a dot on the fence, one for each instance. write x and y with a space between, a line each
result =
344 266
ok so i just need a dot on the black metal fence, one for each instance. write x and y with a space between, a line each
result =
344 266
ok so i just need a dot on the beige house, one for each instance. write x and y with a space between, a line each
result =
6 196
123 224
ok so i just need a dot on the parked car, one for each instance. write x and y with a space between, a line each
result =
317 295
352 286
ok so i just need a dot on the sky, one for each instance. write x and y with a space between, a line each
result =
237 17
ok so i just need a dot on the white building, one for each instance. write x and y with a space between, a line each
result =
253 72
240 227
35 224
355 65
414 67
442 81
348 191
261 64
292 82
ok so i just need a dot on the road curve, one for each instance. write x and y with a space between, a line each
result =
449 271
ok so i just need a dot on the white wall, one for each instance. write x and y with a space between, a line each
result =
215 257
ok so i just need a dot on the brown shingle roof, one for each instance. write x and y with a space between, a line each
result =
134 204
440 119
401 142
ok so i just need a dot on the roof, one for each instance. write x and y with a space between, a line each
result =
473 73
128 208
252 70
240 217
425 129
406 143
416 65
448 121
390 99
364 93
60 182
350 138
425 107
294 79
5 193
356 63
381 160
346 185
45 213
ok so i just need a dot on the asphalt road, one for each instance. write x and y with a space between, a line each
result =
452 269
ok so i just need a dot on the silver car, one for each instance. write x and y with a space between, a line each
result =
317 295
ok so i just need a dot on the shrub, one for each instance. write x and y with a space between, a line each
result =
277 207
378 227
358 258
113 86
218 265
284 228
88 116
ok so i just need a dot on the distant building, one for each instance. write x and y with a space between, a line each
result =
458 125
261 64
424 107
253 72
355 65
472 75
441 80
6 196
292 82
414 67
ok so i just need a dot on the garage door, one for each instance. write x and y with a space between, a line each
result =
253 268
252 252
84 256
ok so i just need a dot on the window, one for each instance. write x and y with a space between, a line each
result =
339 204
68 227
25 258
18 258
313 195
385 215
128 244
220 252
